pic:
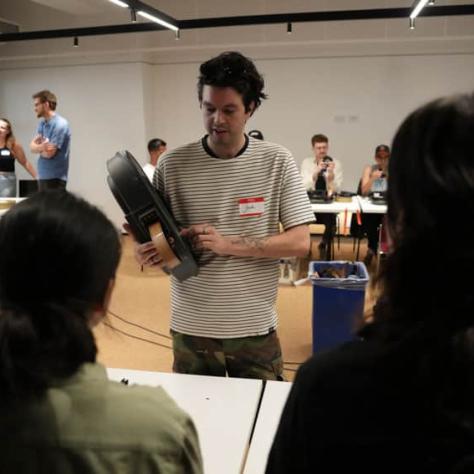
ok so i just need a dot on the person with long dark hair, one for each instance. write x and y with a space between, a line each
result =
401 399
59 413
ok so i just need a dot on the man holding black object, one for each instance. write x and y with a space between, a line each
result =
230 192
323 174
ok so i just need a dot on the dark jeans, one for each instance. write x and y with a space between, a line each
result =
371 224
51 184
329 222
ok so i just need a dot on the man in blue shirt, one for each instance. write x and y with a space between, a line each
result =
52 142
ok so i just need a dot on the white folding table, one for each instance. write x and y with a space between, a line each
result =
367 207
337 207
223 410
273 402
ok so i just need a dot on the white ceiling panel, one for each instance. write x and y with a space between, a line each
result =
460 26
453 34
74 7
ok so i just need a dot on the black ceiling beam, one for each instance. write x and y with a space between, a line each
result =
89 31
342 15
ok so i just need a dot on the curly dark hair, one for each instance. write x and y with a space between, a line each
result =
232 69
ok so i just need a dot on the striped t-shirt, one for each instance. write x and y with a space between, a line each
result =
232 296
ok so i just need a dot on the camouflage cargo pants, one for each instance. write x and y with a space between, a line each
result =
256 357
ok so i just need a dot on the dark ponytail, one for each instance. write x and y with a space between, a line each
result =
62 253
39 348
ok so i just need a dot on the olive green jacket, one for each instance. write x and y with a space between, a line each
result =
89 424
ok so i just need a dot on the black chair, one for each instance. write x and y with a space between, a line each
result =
27 187
357 232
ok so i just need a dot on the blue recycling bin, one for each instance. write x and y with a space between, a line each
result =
338 303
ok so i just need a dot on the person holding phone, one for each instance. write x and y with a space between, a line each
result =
374 179
322 173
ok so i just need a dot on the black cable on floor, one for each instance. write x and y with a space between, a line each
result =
136 337
165 336
138 325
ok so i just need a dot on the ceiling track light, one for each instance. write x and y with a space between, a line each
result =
177 35
119 3
75 43
418 7
412 23
154 18
148 12
289 27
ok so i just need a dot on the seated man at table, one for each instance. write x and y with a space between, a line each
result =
374 179
322 173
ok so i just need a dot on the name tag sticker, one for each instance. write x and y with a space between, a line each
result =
5 153
250 207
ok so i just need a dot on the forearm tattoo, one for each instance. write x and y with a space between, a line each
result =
251 242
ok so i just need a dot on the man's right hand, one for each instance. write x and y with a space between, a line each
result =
318 168
145 254
37 144
38 140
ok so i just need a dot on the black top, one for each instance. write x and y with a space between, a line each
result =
320 184
7 161
362 408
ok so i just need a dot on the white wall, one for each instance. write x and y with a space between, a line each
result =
357 102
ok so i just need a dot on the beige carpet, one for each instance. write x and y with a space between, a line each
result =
140 338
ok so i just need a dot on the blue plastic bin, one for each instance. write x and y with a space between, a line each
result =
337 303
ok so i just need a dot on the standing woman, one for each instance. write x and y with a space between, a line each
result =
10 150
59 412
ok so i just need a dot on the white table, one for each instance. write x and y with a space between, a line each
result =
336 207
273 402
358 203
223 410
367 207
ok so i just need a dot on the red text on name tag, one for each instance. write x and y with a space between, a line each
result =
253 206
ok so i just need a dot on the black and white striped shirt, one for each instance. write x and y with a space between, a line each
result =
232 296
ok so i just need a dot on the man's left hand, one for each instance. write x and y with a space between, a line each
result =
206 237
